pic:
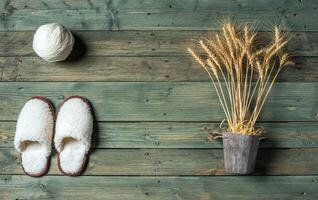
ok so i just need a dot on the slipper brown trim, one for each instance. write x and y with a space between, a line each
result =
42 173
85 160
83 99
47 101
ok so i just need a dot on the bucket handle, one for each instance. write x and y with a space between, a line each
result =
262 138
214 136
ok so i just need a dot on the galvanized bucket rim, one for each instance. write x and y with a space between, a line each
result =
239 134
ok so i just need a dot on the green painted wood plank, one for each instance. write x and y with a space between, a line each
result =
139 43
169 188
160 101
151 14
176 162
131 69
183 135
181 5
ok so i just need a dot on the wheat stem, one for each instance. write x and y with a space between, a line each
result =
232 58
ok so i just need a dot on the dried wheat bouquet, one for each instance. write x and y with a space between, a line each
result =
242 72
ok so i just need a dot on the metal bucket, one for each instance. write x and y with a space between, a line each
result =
240 152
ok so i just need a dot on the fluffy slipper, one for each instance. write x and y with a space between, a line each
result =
74 128
33 137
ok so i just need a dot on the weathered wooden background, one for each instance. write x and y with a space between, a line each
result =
154 106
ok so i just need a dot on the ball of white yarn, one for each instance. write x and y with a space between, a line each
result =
53 42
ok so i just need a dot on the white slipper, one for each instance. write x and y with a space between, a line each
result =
74 128
33 137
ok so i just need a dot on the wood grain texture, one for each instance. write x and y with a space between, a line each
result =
181 5
158 15
153 69
155 109
183 135
159 101
204 162
139 43
170 188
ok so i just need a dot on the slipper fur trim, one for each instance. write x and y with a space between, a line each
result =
74 120
35 123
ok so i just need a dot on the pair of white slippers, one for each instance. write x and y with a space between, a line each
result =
72 138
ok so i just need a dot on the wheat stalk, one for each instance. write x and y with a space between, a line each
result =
242 74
